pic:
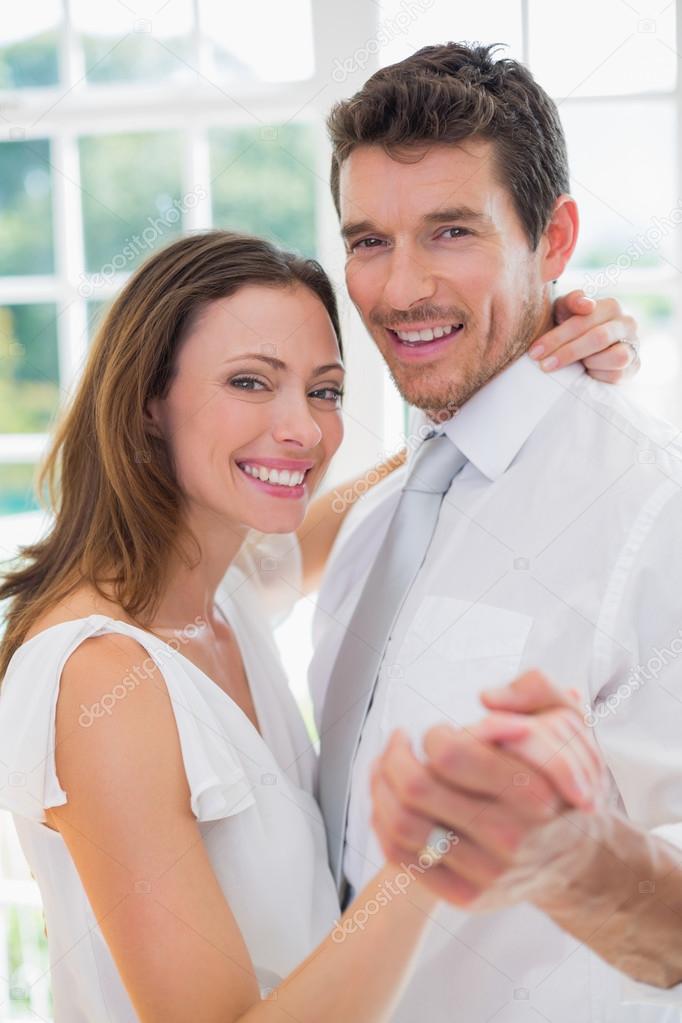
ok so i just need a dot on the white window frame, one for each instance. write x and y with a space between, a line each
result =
64 113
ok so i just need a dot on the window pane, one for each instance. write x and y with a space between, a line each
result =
142 41
29 44
25 208
404 27
17 485
29 371
96 311
622 161
131 198
263 182
657 385
264 40
603 48
30 995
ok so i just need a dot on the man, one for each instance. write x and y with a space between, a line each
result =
558 545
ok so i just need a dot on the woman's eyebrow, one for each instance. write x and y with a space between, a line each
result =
278 364
329 366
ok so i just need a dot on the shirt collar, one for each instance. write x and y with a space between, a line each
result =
494 424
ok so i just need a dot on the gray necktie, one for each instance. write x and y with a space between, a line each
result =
355 671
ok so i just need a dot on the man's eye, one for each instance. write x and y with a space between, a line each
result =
461 231
366 243
248 384
334 394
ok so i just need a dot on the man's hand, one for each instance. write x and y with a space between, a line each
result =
492 785
512 794
568 745
591 331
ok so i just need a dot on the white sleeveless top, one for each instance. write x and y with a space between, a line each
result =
252 795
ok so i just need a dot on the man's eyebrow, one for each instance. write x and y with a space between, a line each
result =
356 227
353 228
457 213
278 364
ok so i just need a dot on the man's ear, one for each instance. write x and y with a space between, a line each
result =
559 239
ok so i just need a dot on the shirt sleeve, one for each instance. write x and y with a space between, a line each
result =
637 682
637 709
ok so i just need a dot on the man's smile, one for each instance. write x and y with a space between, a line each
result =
417 343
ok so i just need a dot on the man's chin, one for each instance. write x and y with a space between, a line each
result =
440 399
442 391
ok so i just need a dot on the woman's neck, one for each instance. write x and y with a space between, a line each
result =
190 590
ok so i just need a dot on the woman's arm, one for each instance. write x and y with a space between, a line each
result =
138 851
326 513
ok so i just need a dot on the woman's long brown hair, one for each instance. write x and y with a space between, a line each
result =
114 497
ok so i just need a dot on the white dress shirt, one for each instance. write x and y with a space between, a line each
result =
559 546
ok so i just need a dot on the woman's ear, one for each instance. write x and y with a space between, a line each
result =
152 417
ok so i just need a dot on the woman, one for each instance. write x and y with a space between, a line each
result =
159 773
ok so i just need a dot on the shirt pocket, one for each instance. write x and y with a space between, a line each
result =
452 650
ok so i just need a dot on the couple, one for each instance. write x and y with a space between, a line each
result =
492 859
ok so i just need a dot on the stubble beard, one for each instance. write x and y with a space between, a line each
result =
442 399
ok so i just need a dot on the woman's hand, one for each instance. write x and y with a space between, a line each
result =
598 333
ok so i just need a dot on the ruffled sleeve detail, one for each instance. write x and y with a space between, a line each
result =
219 786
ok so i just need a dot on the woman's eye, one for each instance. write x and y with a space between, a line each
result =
248 384
334 394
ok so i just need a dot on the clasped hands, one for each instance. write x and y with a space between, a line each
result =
513 792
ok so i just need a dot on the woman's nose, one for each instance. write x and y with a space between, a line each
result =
296 425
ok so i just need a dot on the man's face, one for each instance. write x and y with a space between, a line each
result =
435 245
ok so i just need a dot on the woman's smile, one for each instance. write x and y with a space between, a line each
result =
278 477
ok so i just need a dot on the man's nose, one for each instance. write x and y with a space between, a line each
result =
409 280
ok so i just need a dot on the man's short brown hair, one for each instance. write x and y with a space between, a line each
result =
456 91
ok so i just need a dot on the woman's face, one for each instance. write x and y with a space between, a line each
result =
253 416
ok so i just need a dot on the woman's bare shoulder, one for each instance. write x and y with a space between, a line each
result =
80 603
111 697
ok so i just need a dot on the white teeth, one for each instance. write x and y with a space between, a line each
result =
424 335
280 477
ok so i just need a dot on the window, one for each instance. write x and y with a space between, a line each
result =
125 124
